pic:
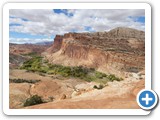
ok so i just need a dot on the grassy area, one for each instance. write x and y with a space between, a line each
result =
38 64
34 64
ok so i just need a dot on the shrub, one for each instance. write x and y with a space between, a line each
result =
100 75
92 69
51 72
101 86
23 81
79 71
43 69
98 87
89 78
95 87
113 77
33 100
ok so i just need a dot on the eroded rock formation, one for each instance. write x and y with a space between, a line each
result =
119 51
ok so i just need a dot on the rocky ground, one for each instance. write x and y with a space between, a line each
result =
74 93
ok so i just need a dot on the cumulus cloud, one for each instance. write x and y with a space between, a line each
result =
47 22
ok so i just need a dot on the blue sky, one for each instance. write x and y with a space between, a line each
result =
140 19
63 11
32 26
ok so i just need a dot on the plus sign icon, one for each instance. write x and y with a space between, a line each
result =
147 99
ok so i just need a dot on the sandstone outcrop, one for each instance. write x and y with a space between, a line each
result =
119 51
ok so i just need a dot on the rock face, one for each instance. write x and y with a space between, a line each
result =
119 51
57 44
127 33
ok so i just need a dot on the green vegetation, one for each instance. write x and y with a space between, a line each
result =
38 64
23 81
100 75
113 77
33 100
34 64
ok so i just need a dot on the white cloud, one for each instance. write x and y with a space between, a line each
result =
46 22
28 40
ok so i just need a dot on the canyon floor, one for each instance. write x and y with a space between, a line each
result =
73 93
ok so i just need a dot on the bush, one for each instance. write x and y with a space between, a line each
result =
89 78
33 100
92 69
98 87
23 81
101 86
51 72
100 75
43 69
113 77
79 71
95 87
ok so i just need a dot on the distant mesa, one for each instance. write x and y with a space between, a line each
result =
126 33
44 43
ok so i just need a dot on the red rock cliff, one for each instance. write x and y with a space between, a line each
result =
118 51
57 44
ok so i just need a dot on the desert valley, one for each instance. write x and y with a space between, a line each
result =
79 70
